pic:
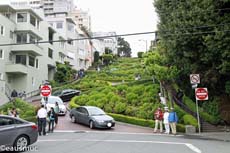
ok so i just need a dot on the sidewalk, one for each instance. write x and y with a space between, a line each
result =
218 136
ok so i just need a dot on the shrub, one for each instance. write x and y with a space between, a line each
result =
72 103
190 120
26 111
141 122
120 108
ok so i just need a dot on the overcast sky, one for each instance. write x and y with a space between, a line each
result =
123 17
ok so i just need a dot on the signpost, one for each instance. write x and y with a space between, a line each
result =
201 94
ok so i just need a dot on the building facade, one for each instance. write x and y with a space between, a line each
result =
25 65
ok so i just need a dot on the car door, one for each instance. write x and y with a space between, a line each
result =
85 116
8 131
82 115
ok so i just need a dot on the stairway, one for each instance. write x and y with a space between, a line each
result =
207 127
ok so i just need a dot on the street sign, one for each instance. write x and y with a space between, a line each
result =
194 78
201 93
45 90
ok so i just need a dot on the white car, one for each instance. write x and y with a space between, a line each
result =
51 100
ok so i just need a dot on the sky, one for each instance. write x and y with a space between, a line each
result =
123 17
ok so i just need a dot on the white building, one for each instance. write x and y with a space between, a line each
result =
82 18
24 67
105 40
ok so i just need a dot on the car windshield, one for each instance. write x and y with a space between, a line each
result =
56 93
95 111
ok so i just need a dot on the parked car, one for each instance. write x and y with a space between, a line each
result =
92 116
66 94
16 133
50 102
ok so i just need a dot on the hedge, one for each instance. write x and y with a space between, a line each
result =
141 122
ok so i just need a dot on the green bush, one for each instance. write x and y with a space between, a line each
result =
26 111
141 122
72 103
190 120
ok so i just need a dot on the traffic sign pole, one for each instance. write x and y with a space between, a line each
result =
198 116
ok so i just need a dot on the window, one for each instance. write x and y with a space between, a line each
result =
32 39
33 81
1 76
6 121
31 61
32 20
22 38
70 27
59 25
21 59
2 30
11 34
1 54
22 17
37 63
50 53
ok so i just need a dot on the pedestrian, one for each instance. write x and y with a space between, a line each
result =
56 110
173 119
14 95
166 121
51 117
158 115
41 115
14 112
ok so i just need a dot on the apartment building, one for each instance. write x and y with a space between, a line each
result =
82 18
27 63
107 40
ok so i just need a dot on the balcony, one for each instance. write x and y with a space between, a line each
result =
16 69
24 26
29 48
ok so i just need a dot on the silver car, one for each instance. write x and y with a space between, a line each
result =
92 116
16 133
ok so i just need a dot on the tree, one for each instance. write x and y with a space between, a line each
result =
195 38
123 48
64 72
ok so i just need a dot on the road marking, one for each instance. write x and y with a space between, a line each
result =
193 148
190 146
121 133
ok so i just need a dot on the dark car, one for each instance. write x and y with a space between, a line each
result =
66 94
16 133
92 116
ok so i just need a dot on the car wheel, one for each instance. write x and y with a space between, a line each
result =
91 124
73 119
21 142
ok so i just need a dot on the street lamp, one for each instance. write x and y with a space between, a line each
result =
146 44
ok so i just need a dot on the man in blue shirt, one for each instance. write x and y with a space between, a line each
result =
173 119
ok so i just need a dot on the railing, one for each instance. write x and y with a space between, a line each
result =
8 91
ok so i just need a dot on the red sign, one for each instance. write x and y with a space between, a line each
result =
201 93
45 90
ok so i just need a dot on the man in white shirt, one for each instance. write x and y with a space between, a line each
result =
41 115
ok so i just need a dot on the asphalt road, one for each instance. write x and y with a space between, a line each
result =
108 142
65 124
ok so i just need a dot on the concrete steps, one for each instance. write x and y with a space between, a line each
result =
207 127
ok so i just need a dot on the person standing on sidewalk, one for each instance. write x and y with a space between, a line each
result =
56 110
173 119
158 115
166 121
41 115
51 116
